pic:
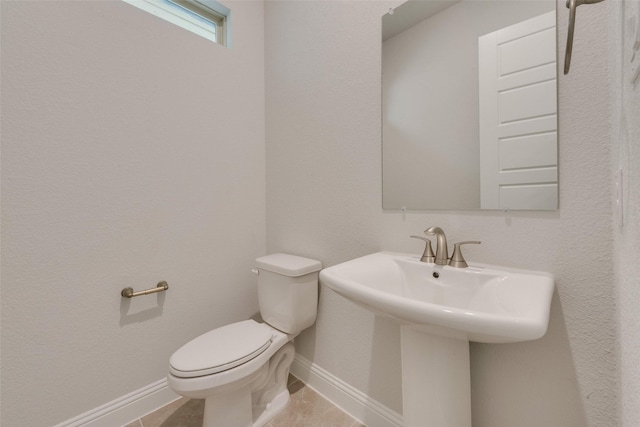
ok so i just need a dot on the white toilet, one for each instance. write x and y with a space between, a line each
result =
241 369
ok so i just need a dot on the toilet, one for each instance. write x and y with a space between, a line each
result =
241 369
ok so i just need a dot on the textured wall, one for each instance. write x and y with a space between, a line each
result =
626 156
132 152
324 201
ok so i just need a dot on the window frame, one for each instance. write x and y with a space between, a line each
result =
206 18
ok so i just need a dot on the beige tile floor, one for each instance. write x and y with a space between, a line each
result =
306 409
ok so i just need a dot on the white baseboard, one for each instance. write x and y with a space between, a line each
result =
366 410
139 403
127 408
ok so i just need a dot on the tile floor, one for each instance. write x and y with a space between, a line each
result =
306 409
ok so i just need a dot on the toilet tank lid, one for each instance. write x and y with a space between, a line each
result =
288 265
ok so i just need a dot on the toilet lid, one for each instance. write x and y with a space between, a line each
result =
221 349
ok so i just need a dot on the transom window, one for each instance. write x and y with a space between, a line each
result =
207 18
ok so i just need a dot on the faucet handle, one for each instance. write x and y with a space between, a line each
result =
457 260
427 255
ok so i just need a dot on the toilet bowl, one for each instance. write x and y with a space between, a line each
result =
241 369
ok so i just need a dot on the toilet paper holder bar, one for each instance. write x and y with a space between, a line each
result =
160 287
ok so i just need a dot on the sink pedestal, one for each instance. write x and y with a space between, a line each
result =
436 385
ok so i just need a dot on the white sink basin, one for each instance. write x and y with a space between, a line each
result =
480 303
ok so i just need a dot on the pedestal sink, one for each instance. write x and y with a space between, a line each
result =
441 309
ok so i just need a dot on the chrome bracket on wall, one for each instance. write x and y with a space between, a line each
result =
572 6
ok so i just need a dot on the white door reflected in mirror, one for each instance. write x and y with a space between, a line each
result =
518 116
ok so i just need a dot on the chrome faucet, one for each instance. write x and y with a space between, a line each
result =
442 253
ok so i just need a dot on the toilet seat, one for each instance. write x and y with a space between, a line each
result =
221 349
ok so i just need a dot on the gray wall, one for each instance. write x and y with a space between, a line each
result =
625 101
324 201
132 152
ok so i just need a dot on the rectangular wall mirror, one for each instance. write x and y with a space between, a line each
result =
469 105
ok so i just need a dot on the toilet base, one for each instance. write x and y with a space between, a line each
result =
274 408
258 401
235 410
230 409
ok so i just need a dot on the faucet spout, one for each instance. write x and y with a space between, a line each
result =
442 252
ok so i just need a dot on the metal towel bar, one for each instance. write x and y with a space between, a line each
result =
129 293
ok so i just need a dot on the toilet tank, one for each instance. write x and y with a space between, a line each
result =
288 291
